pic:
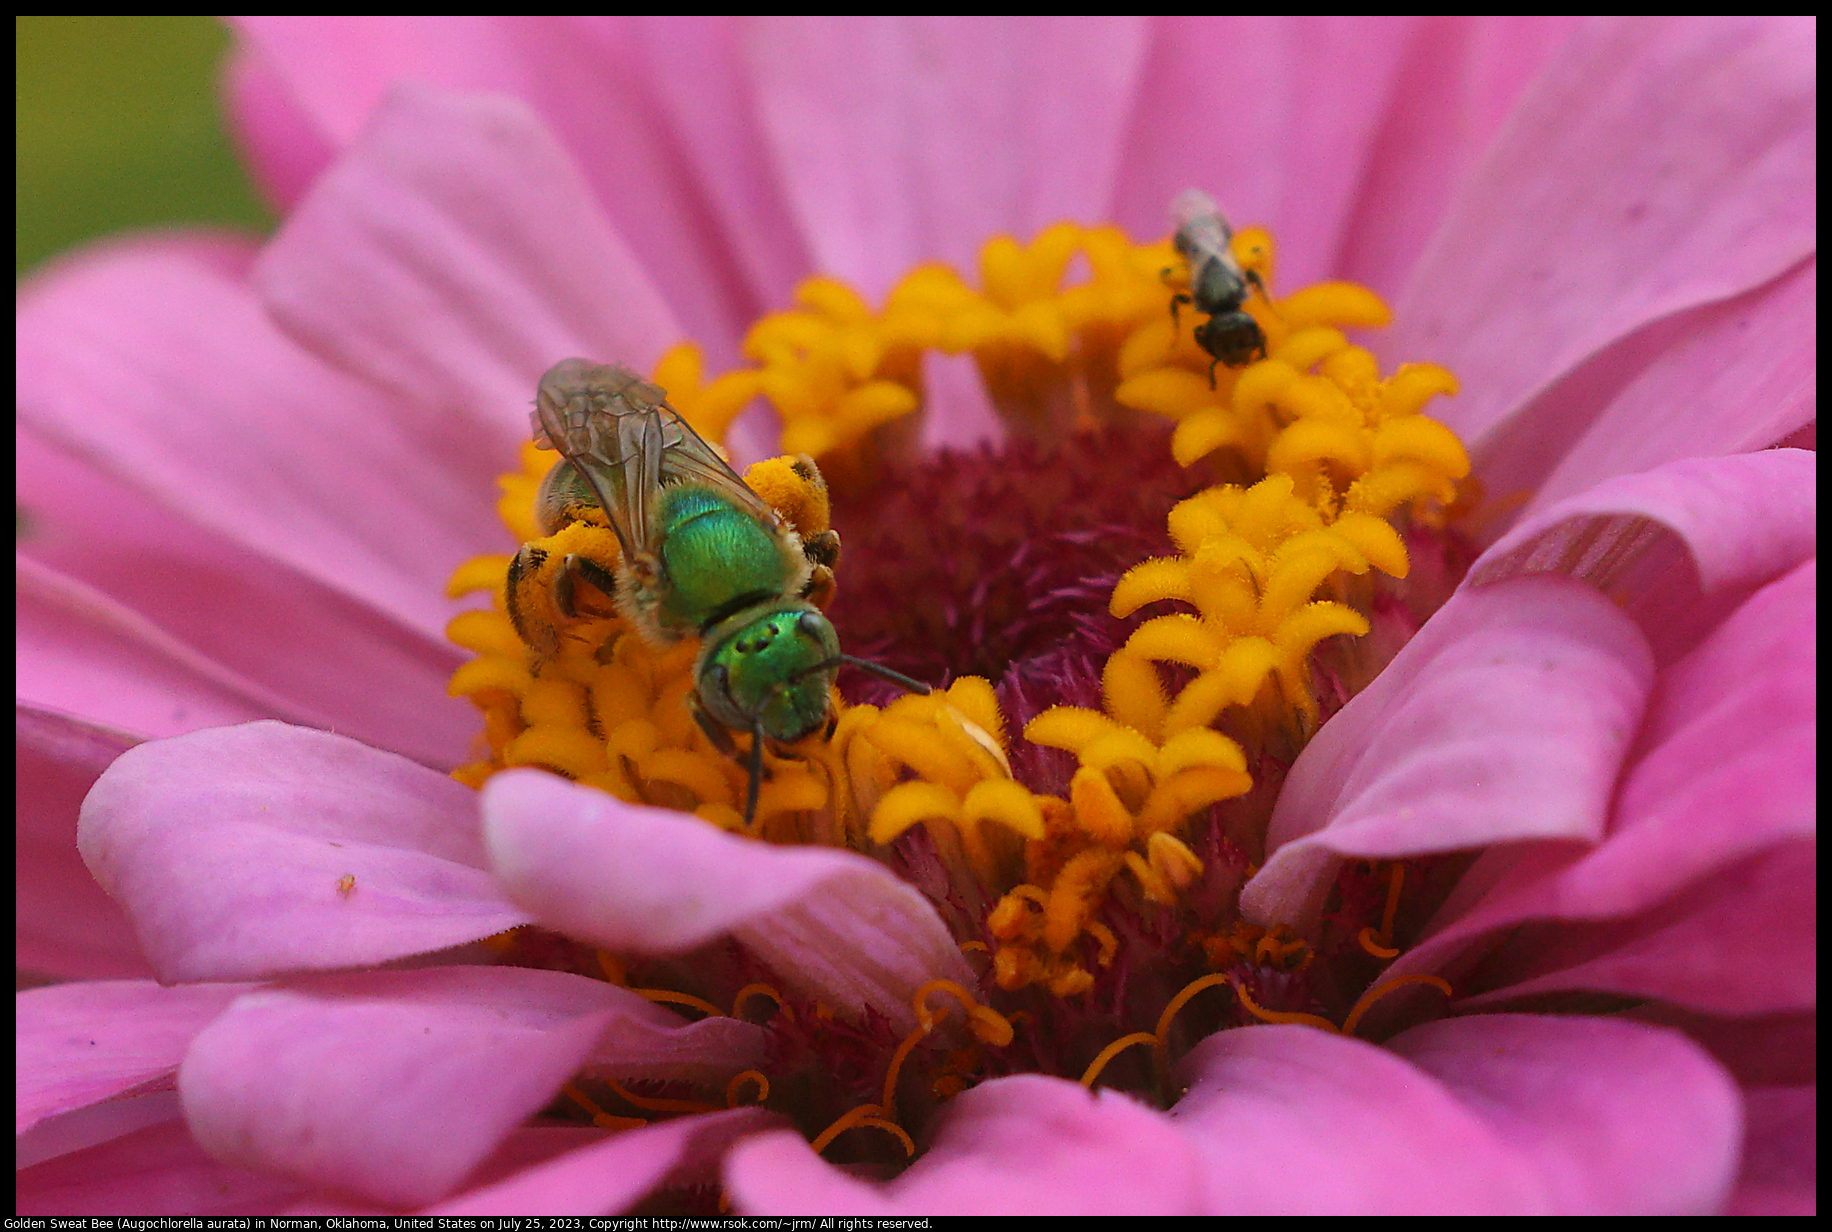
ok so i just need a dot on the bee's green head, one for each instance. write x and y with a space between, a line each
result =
773 662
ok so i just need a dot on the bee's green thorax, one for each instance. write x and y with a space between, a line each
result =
757 664
716 558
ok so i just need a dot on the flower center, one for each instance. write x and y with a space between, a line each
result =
1194 546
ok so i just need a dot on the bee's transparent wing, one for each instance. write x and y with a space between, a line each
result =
620 432
1199 225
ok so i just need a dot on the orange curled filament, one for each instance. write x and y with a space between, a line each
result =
736 1085
1111 1051
760 990
680 998
600 1118
651 1104
1375 993
865 1116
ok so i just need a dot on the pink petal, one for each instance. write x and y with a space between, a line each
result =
1026 1145
214 415
282 145
395 1085
833 925
1276 117
65 927
1613 1117
1780 1173
1684 544
158 1170
1505 719
1772 1050
1458 81
1658 165
270 643
1726 378
611 1176
623 129
316 852
901 140
82 1043
451 257
1741 942
155 1103
80 651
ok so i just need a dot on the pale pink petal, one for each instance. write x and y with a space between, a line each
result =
1457 83
245 851
590 80
697 68
451 257
1772 1050
94 1124
65 927
395 1085
1659 164
1275 117
1026 1145
282 145
1505 719
86 1042
158 1170
282 644
1683 544
901 140
1355 1129
78 651
609 1177
1614 1118
832 925
1729 377
1780 1174
214 415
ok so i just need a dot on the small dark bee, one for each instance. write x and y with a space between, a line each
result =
1218 284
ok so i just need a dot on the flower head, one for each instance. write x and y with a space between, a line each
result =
1237 754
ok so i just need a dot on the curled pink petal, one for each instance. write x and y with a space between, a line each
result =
1025 1145
64 925
1505 719
1726 378
284 147
1697 140
1685 542
452 256
1643 1121
85 1042
318 853
394 1085
609 1177
833 925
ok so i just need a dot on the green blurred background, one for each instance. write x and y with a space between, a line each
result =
119 125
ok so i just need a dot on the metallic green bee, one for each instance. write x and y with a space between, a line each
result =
699 554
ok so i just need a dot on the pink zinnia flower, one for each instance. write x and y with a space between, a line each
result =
248 474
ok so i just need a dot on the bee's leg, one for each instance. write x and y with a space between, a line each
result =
1212 364
520 596
1177 301
572 570
1254 278
715 730
823 549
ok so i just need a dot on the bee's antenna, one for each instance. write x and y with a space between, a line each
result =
756 768
867 666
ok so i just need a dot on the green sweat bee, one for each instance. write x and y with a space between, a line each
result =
698 554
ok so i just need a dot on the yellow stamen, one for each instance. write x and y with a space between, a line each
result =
614 970
680 998
754 1078
1367 938
760 990
651 1104
1162 1033
864 1116
600 1118
1113 1050
1375 993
